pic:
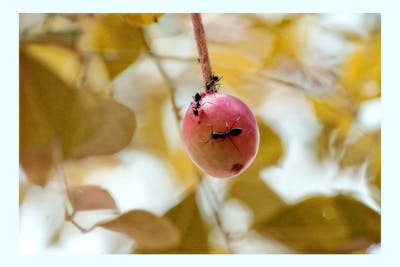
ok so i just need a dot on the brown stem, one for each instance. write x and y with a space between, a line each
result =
202 48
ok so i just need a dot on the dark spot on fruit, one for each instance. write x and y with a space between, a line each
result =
237 167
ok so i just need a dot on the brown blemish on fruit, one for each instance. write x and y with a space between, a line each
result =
237 167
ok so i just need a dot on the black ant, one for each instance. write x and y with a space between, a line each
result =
228 133
196 105
232 132
212 82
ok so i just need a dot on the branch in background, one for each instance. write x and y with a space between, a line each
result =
167 79
215 205
172 57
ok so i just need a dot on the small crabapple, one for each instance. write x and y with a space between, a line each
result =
222 137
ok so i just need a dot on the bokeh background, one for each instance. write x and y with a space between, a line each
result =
102 163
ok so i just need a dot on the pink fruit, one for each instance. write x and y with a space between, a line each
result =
220 134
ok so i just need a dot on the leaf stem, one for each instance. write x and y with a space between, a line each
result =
202 48
69 214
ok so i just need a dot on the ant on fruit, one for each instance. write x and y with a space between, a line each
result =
196 105
213 82
223 135
231 132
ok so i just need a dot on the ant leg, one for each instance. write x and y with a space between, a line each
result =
233 124
208 140
238 118
226 127
207 103
230 139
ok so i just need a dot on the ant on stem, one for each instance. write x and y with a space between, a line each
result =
212 83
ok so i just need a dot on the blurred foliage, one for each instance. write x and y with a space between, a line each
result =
56 118
322 224
148 230
90 197
249 186
358 81
114 38
70 114
362 70
193 230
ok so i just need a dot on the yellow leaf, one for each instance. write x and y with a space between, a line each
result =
58 119
374 166
150 133
361 150
322 143
289 37
249 186
331 111
116 42
40 107
234 67
362 71
270 149
323 224
193 232
139 19
63 62
336 115
96 125
187 172
240 61
95 76
148 230
250 189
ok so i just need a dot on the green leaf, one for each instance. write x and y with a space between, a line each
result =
324 224
148 230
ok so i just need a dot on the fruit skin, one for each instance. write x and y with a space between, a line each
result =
219 113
